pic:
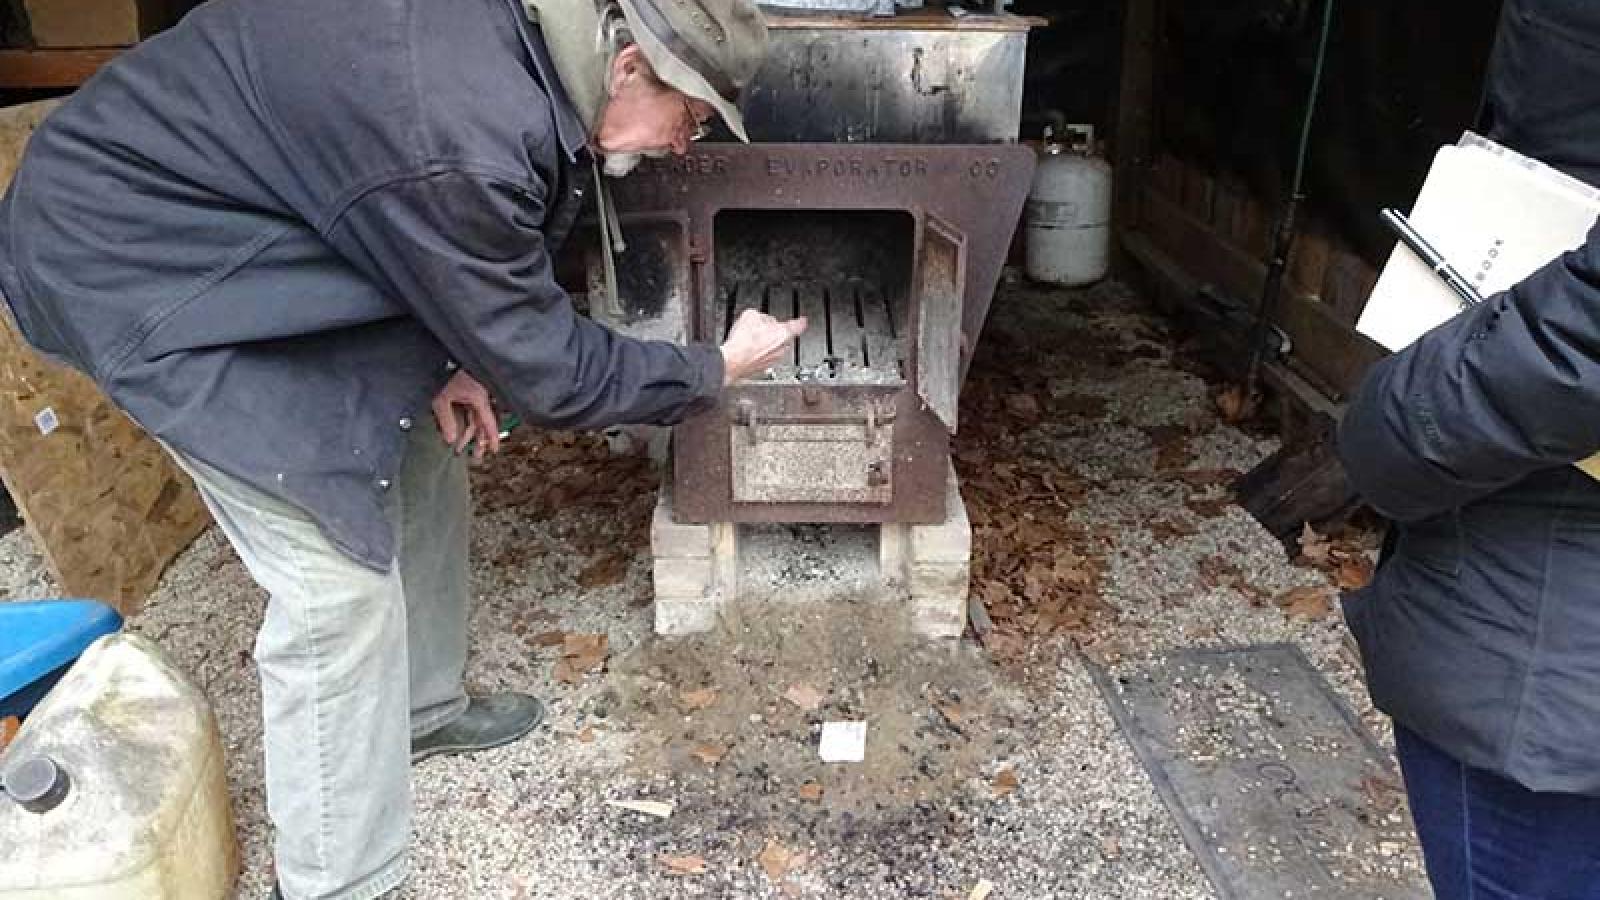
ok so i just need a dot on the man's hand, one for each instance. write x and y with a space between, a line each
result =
755 342
464 412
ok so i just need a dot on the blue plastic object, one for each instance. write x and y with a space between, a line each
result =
39 640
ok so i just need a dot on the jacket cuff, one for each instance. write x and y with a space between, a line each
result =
709 386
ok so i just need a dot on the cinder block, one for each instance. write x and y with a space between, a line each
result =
949 541
671 538
935 580
939 617
682 577
679 616
894 543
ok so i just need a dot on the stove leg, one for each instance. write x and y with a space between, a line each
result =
933 563
695 570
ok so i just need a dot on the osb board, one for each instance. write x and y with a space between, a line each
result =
102 500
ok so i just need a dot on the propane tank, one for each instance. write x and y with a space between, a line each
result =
1068 218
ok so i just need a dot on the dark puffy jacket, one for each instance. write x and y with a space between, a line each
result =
1481 629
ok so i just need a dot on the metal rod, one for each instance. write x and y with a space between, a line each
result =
1283 236
1432 258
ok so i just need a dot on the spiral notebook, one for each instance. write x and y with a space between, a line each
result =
1497 217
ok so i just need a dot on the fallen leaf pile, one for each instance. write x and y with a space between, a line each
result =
1035 573
559 476
1342 557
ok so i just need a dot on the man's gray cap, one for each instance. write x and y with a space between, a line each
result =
707 49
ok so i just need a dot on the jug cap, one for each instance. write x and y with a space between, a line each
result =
38 784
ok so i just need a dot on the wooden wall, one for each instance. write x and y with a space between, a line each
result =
102 501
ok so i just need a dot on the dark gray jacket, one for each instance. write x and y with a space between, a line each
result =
268 232
1481 629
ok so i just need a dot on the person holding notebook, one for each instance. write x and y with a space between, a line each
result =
1480 632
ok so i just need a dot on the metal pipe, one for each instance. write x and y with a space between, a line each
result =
1283 236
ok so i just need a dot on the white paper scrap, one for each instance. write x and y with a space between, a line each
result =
648 807
843 742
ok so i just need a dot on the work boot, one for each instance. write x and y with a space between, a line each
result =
492 721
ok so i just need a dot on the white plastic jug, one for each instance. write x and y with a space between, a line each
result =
121 767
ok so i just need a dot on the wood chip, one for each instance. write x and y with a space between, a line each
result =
953 713
657 808
9 726
982 890
710 754
1004 783
778 861
804 696
683 865
811 791
694 701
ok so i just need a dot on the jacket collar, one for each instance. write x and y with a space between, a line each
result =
570 130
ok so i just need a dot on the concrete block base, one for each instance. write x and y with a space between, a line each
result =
697 571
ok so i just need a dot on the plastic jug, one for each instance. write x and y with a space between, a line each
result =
115 787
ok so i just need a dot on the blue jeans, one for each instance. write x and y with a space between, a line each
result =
1486 837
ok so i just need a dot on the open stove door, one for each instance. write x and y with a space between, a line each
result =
941 285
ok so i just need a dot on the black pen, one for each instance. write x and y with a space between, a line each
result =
1432 258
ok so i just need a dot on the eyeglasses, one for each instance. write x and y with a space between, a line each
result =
698 130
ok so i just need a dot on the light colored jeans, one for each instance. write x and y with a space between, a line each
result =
353 664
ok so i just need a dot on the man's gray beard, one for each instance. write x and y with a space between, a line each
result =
617 165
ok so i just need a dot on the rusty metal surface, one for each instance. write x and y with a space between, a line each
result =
911 84
976 190
938 219
918 446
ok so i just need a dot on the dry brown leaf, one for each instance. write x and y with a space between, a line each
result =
586 736
811 791
683 865
604 571
804 696
1004 783
778 861
1354 574
1313 546
1306 603
550 638
694 701
953 713
1024 406
580 653
9 726
710 754
1234 404
583 645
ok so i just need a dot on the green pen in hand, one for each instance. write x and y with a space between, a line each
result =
507 422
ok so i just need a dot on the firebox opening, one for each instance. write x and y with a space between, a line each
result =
847 271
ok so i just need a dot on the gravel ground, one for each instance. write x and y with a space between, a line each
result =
1083 820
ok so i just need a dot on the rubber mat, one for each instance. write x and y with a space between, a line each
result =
1275 784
